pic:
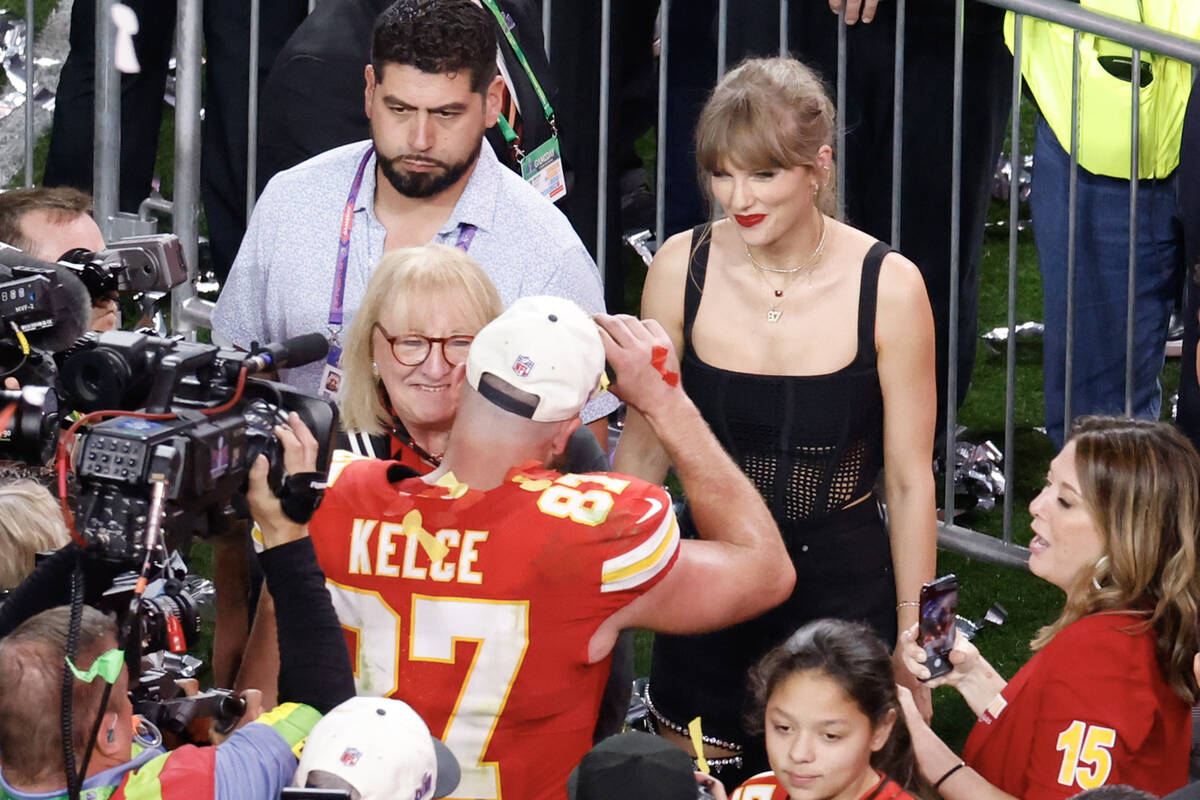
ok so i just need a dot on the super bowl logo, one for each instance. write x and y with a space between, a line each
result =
523 366
350 757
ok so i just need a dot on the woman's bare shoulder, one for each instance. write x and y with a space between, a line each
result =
901 283
662 293
672 258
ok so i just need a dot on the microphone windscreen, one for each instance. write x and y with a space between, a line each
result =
305 349
72 314
72 302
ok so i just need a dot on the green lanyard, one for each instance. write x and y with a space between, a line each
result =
510 135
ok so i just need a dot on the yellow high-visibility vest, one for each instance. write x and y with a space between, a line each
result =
1105 100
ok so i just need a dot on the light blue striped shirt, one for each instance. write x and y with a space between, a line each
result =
281 281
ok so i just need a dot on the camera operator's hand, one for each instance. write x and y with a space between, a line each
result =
254 710
299 455
12 384
641 354
105 315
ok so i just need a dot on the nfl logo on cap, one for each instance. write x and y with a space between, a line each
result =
541 359
379 748
523 366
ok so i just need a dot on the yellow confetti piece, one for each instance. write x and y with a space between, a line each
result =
434 548
530 485
455 487
698 745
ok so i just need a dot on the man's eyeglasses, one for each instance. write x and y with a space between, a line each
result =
411 349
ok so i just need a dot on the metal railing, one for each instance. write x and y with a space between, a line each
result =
1137 36
190 312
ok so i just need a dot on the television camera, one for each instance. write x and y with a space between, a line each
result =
168 434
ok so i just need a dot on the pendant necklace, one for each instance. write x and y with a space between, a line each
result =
774 314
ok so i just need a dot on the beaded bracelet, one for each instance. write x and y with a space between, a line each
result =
907 603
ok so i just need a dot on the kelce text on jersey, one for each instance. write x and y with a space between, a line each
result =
444 566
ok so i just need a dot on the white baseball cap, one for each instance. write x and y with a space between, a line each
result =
380 749
544 357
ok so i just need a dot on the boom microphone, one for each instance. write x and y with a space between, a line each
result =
295 352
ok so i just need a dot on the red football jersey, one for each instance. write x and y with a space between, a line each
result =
765 786
477 608
1091 708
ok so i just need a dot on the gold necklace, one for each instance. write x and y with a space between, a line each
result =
774 314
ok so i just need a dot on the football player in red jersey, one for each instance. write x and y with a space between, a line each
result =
1107 697
827 701
488 594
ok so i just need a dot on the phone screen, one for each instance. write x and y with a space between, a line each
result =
935 632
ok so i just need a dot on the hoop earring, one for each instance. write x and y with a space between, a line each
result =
1101 563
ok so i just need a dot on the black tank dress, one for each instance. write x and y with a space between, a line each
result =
811 445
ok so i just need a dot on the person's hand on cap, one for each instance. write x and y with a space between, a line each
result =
642 356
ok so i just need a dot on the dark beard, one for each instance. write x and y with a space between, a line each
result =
419 185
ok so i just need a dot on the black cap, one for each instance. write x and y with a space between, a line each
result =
633 766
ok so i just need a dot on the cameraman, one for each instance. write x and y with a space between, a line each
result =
255 762
48 222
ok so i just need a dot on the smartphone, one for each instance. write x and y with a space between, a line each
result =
935 632
315 794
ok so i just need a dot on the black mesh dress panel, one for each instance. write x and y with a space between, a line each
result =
811 445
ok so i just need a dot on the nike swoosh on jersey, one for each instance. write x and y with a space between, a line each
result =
655 507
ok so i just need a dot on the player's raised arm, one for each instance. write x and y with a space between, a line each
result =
739 568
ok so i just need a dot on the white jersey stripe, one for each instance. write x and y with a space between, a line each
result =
642 563
338 462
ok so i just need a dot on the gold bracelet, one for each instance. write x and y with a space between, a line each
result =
907 603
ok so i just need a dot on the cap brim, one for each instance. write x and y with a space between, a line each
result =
573 783
448 772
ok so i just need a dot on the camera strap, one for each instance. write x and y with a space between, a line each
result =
300 495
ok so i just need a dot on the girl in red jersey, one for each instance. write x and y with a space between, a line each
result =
827 701
1107 697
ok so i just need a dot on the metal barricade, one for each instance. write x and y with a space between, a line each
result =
1140 37
189 312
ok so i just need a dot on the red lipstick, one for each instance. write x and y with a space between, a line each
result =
749 220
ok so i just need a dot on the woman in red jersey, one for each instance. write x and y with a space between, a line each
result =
1107 697
827 700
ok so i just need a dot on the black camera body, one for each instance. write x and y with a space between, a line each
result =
202 457
150 481
135 264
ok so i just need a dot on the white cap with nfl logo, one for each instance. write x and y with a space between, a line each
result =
544 356
379 749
